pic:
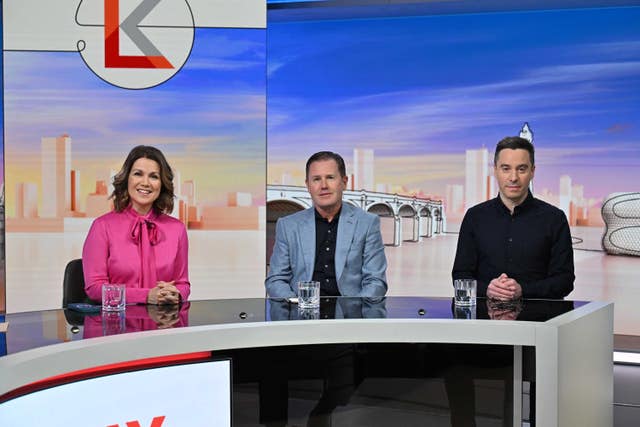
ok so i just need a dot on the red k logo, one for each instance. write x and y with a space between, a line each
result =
139 43
152 57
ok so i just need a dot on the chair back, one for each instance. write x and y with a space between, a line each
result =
73 284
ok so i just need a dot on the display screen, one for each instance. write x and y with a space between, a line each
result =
186 395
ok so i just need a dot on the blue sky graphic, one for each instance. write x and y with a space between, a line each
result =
209 119
443 84
215 103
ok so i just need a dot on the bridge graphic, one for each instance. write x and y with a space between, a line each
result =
427 215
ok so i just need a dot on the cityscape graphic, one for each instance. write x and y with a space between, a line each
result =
67 133
61 197
479 185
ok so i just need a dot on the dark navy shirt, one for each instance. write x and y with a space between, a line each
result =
532 246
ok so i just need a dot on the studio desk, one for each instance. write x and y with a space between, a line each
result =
572 341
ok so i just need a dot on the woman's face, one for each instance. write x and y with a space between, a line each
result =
144 184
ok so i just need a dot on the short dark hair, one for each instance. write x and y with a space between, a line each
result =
120 195
513 143
327 155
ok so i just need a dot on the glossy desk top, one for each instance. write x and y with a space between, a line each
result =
33 330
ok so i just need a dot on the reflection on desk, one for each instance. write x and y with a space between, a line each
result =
524 310
330 308
504 310
38 329
136 318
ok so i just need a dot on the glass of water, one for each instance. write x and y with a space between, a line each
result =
308 294
113 297
465 292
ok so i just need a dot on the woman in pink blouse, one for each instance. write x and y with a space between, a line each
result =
137 243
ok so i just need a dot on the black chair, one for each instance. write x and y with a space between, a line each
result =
73 292
73 284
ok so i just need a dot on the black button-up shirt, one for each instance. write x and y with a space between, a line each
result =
532 246
324 270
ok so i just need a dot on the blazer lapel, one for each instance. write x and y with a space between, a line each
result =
346 228
307 238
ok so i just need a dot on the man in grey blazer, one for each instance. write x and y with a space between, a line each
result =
335 243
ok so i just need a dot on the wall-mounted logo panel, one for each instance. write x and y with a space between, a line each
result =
135 44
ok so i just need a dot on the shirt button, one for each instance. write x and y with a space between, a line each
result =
327 249
329 231
326 266
510 239
326 280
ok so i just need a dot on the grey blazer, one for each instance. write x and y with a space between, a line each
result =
360 261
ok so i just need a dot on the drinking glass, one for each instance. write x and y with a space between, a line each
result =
309 294
465 292
113 297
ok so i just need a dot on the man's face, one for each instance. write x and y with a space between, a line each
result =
325 185
514 172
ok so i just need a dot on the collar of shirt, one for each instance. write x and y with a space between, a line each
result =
519 209
151 215
321 218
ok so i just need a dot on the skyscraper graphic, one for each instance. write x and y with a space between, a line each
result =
564 201
363 168
526 132
579 205
476 173
382 187
75 190
107 176
455 199
286 179
189 191
192 212
26 200
56 176
492 186
239 199
98 202
177 183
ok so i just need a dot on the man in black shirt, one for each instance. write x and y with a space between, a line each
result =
515 245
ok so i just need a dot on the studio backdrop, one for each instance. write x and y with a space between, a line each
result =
87 80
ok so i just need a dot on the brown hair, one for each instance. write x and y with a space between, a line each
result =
120 195
513 143
327 155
